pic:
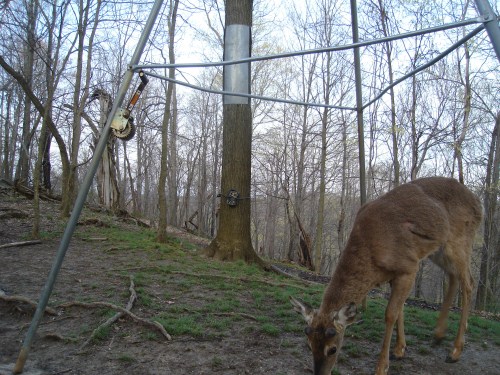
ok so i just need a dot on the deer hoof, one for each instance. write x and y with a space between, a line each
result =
437 341
394 357
450 359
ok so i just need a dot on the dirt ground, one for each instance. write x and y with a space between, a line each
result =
126 350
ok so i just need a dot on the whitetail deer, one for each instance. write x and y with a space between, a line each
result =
432 217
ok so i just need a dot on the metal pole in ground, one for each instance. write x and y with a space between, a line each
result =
490 24
84 189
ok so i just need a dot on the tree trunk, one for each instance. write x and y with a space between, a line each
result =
233 240
82 86
6 171
173 199
270 221
394 129
490 248
318 241
341 228
22 170
466 115
162 195
106 176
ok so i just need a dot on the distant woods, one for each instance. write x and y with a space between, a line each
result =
61 64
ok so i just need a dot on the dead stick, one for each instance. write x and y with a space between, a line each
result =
22 243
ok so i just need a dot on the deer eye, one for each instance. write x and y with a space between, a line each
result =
330 332
332 351
308 330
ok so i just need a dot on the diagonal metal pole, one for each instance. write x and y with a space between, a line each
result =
490 24
84 189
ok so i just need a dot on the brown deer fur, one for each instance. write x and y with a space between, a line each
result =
432 217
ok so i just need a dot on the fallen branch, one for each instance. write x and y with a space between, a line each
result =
114 318
12 213
19 244
26 300
29 193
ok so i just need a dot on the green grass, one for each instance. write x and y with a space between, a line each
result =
193 296
353 349
132 239
182 325
101 334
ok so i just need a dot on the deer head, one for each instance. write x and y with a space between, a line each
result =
325 333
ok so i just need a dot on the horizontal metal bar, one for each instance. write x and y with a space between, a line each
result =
316 50
221 92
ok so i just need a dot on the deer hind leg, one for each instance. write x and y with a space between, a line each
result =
442 322
400 288
466 285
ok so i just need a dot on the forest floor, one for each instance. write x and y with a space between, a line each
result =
223 318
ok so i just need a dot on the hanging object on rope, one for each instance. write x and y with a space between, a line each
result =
122 125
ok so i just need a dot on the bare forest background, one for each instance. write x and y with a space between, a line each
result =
62 63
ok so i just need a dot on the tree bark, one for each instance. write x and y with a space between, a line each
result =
233 240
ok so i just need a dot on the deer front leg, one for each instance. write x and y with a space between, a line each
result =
399 350
401 287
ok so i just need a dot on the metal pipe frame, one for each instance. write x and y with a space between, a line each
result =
84 189
320 105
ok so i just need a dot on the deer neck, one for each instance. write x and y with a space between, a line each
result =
351 282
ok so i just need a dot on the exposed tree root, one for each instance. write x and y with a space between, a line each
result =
22 299
121 312
118 315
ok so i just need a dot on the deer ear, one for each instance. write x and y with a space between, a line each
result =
303 308
345 316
